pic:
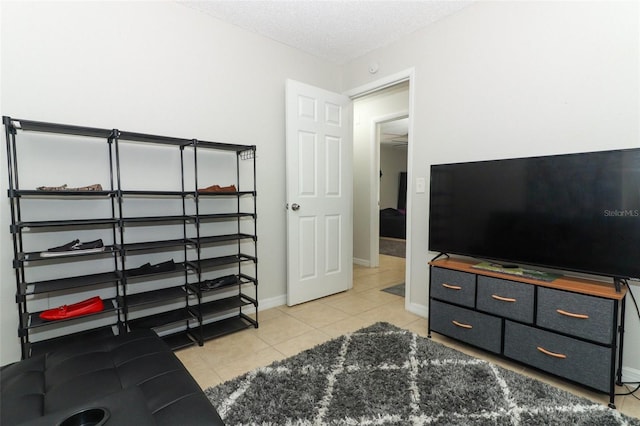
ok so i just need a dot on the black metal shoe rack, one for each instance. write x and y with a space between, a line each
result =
218 238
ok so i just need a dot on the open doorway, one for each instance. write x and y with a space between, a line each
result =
381 167
393 138
392 189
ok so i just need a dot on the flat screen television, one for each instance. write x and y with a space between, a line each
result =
573 212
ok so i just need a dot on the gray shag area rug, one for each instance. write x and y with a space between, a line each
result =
383 375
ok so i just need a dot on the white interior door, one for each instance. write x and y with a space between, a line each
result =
319 192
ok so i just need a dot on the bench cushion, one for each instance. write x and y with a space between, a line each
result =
70 378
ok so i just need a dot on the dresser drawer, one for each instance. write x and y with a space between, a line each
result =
481 330
579 315
583 362
453 286
506 298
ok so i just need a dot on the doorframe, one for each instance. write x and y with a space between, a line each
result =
374 86
374 176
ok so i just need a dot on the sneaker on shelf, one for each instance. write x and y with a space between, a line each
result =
74 247
218 282
94 187
89 306
53 188
148 268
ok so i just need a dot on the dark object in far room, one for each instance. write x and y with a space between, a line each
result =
392 247
393 223
402 192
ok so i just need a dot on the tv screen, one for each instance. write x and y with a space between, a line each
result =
574 212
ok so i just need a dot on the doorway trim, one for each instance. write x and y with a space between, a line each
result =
383 83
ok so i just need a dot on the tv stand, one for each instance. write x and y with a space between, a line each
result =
618 283
439 256
569 327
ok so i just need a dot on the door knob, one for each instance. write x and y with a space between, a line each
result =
295 207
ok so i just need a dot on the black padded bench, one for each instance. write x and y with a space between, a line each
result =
132 379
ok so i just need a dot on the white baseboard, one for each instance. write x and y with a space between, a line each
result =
361 262
420 310
272 302
264 304
630 374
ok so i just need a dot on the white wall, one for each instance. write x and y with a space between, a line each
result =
511 79
152 67
384 105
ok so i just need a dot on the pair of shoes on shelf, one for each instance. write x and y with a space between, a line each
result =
148 268
218 188
74 247
89 306
218 282
94 187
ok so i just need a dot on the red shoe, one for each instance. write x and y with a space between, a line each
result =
89 306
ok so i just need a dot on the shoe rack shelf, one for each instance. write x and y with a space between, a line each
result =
210 236
36 256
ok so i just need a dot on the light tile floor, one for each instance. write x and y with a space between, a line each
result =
285 331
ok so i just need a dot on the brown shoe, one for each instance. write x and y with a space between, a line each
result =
218 188
212 188
230 188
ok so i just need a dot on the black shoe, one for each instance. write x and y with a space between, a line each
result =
218 282
74 247
147 268
141 270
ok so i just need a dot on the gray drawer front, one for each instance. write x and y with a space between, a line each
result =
506 298
598 327
486 331
585 363
453 286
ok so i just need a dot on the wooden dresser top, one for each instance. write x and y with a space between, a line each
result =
578 285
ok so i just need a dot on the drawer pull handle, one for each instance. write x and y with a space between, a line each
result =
553 354
462 325
452 287
503 299
572 315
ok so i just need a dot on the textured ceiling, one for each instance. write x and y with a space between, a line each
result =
338 31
